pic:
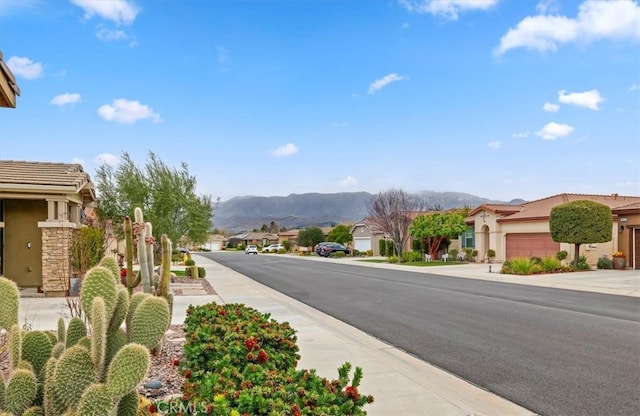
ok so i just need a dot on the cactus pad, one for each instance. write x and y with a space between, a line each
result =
36 349
96 400
20 391
98 282
149 322
74 373
10 296
127 369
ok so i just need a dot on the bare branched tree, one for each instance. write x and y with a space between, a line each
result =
391 212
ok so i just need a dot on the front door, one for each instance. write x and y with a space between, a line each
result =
22 260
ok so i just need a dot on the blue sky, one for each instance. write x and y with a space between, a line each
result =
499 98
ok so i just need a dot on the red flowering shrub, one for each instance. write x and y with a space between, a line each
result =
236 358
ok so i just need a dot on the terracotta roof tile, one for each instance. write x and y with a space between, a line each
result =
541 208
43 174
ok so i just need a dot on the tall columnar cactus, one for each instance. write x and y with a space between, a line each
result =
139 231
132 280
150 242
10 296
165 277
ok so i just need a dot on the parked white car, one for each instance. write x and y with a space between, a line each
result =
273 248
251 249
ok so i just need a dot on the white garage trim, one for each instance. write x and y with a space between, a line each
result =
362 243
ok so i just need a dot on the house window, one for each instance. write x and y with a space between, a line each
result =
468 238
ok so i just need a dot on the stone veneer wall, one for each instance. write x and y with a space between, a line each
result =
56 259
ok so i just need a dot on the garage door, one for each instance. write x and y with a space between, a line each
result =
531 245
362 243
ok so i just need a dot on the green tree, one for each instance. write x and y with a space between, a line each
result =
437 227
581 222
340 234
390 211
166 195
309 237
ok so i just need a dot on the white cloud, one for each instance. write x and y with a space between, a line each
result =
109 35
285 150
596 20
126 111
107 158
118 11
24 67
551 108
520 135
348 181
78 161
633 87
552 131
547 6
64 99
384 81
588 99
448 9
494 145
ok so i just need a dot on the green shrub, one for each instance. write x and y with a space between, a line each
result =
357 253
286 244
582 263
453 254
491 253
605 262
393 259
201 272
561 255
518 265
411 257
550 264
282 251
190 262
369 253
536 260
337 254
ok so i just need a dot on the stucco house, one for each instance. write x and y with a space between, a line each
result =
523 230
41 210
8 87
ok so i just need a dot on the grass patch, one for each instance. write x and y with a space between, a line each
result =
416 264
179 273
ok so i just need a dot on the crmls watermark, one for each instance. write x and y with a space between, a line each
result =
173 407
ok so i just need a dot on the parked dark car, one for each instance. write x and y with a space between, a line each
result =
318 247
328 248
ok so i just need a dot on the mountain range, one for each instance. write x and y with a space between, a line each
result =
245 213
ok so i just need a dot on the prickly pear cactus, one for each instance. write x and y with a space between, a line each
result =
10 296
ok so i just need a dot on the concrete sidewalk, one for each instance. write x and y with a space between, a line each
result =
400 383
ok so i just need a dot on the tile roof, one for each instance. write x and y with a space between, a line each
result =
40 176
541 208
496 208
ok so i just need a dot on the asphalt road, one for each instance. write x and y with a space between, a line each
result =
556 352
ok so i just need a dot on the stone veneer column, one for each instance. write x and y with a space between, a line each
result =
56 259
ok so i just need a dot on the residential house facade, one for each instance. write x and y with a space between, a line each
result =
41 211
523 230
9 89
